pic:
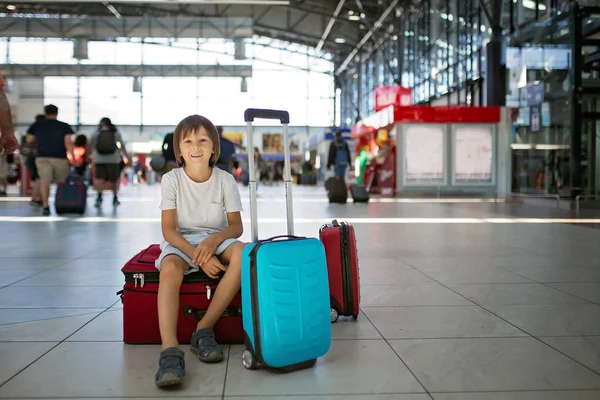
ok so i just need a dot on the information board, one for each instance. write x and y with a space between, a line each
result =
424 154
473 155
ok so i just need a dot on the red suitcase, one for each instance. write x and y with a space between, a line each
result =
140 310
342 263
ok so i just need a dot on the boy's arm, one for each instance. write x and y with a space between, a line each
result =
207 248
234 230
174 238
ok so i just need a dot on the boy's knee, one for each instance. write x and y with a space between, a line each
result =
170 270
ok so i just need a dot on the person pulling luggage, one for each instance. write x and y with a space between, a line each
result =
339 156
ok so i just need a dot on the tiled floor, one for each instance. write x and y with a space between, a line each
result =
459 301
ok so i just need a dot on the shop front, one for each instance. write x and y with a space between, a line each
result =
422 150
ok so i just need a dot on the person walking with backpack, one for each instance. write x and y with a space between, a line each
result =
106 146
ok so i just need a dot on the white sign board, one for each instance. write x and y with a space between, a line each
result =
473 154
424 154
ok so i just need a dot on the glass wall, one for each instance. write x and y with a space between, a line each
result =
437 50
555 143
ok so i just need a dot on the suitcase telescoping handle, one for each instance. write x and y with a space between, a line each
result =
284 117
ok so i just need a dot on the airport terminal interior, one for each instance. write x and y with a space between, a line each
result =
459 138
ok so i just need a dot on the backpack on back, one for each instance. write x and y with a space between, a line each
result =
106 142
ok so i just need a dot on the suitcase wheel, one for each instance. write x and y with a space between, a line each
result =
333 315
355 317
248 359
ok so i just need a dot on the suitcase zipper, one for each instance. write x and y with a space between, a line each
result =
347 288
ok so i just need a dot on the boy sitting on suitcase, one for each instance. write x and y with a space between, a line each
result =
201 222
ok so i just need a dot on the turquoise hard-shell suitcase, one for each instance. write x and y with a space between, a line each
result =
285 287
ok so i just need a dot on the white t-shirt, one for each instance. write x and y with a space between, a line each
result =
201 207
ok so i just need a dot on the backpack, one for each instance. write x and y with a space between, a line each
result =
106 142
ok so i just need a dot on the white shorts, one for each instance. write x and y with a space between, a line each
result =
193 267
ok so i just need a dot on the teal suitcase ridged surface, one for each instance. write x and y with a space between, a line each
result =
285 286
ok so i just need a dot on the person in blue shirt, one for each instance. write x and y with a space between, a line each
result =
339 156
225 161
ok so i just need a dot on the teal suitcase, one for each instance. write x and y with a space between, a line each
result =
285 286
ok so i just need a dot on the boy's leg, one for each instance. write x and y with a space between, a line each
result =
172 270
228 287
204 344
171 365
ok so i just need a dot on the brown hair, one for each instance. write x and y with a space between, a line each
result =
190 125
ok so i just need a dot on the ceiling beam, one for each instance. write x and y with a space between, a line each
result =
90 70
367 36
330 25
108 28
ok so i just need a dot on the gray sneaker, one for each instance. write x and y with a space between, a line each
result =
171 367
206 347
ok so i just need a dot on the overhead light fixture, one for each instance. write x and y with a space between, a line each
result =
112 9
239 49
352 16
137 84
531 5
11 7
80 49
340 40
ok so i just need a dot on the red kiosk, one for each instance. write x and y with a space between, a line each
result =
420 148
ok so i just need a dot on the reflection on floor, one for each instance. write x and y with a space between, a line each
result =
460 300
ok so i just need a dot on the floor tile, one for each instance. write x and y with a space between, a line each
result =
492 364
438 322
20 356
58 297
585 349
351 366
588 291
558 274
515 294
12 276
521 260
444 262
457 275
553 320
554 395
369 263
22 264
107 327
422 295
50 330
75 277
348 328
92 264
109 369
397 276
18 315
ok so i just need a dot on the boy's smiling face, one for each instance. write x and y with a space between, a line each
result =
197 147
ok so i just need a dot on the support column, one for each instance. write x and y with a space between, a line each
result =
575 31
495 74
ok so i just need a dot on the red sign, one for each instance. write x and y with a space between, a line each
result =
392 96
425 114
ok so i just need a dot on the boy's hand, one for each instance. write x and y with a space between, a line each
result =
205 250
213 267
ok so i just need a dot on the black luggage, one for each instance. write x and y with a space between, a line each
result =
71 196
359 193
336 190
